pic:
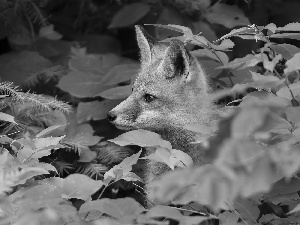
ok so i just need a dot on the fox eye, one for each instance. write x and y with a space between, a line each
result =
149 98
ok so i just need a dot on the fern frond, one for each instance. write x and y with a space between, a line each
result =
109 153
63 168
92 170
46 103
53 73
33 11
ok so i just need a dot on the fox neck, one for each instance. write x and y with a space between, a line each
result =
178 137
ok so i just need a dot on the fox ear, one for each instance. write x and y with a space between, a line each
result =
176 61
145 43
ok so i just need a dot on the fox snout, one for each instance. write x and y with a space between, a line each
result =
111 116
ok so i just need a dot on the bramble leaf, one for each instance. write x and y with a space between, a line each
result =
80 186
129 14
141 138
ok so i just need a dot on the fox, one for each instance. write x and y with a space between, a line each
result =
170 91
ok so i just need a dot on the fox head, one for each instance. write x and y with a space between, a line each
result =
169 91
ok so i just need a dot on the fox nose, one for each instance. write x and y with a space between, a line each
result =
111 116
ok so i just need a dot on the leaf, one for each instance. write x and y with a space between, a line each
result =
241 63
123 209
264 98
7 118
123 170
286 92
81 137
80 186
290 27
171 157
28 173
270 65
286 35
228 15
120 92
248 209
182 29
286 50
42 143
87 155
82 85
93 64
120 73
173 213
129 14
17 67
206 185
49 32
228 218
263 81
292 64
94 110
141 138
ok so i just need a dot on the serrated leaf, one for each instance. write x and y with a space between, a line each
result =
120 92
241 63
87 155
7 118
41 143
94 110
171 157
16 67
292 64
228 218
80 186
227 15
182 29
82 85
263 81
93 64
248 209
286 91
271 27
28 173
290 27
123 170
129 14
173 213
286 35
123 209
81 136
141 138
286 50
120 73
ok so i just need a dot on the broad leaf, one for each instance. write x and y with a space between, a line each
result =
120 92
123 209
7 118
129 14
80 186
227 15
141 138
94 110
120 73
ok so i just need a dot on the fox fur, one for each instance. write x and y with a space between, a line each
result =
169 92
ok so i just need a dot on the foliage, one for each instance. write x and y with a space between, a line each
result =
57 168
